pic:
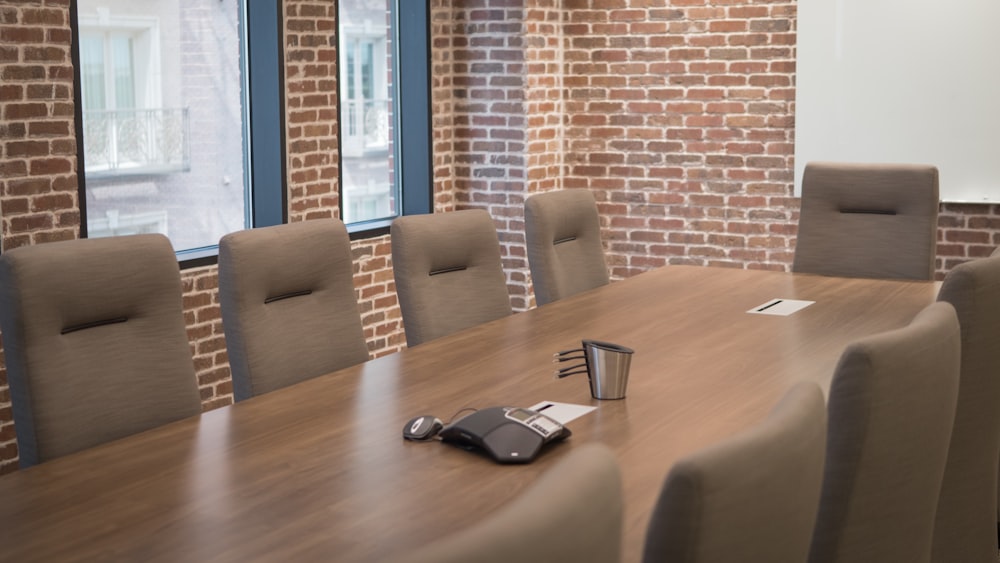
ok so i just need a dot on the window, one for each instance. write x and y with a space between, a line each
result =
164 96
127 129
384 139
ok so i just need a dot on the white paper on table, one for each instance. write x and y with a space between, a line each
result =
561 412
781 307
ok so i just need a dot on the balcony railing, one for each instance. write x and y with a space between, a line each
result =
136 141
366 126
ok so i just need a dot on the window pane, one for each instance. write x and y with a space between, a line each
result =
92 70
368 71
121 60
349 66
367 113
164 151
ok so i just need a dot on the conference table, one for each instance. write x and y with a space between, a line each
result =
319 471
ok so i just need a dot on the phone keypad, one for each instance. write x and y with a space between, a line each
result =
538 422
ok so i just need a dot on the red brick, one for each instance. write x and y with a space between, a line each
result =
9 54
967 237
49 128
27 149
55 236
43 17
22 72
45 54
49 166
28 223
24 111
28 186
21 34
44 203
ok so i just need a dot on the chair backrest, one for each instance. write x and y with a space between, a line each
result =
95 342
448 271
965 529
751 498
563 236
996 252
891 407
868 220
573 512
288 304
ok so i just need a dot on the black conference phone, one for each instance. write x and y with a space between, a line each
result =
507 434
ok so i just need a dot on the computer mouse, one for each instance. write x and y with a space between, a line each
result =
422 428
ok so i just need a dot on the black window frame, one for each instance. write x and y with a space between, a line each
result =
413 140
263 63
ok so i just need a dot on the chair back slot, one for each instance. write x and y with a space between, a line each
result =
868 211
288 296
447 270
93 324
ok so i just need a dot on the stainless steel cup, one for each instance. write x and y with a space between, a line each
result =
607 368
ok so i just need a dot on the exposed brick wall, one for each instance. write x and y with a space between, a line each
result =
208 342
506 113
544 45
37 171
490 132
446 35
544 95
376 291
311 109
680 119
38 194
966 231
679 115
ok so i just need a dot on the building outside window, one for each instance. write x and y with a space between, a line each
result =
164 118
369 192
166 140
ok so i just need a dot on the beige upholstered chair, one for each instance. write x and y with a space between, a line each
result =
751 498
448 272
95 342
891 407
563 235
868 220
965 529
288 304
572 513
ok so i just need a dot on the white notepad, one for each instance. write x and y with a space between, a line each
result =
780 307
562 412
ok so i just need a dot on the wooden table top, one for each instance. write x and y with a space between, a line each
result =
319 471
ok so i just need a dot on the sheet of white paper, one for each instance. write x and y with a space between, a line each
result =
781 307
561 412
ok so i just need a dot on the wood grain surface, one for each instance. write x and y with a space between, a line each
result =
319 471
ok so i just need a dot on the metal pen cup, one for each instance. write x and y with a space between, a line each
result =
607 368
